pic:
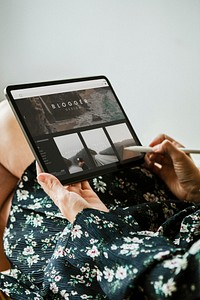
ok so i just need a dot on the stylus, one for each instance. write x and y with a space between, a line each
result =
150 149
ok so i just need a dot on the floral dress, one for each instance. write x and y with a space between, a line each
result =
146 247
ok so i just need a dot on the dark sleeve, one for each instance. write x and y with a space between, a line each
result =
130 261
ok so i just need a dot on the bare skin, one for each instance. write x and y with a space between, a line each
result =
175 168
15 156
70 199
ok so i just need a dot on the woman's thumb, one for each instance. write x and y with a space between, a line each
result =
52 186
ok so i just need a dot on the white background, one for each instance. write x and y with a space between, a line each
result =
149 49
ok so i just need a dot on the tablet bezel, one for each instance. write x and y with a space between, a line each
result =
80 176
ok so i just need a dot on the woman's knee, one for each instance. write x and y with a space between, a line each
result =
15 154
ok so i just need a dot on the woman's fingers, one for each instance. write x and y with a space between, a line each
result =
162 137
169 150
74 186
85 185
52 186
82 188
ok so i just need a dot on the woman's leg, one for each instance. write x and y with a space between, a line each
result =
15 156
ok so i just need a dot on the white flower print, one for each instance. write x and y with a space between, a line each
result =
184 228
57 278
169 287
105 254
34 243
93 241
121 273
25 178
108 274
93 252
32 260
135 271
37 221
14 273
28 250
178 263
85 296
110 225
113 247
133 240
22 194
59 252
65 231
12 219
76 232
158 284
99 185
34 219
83 269
86 234
64 294
99 275
54 287
74 293
130 249
21 185
35 206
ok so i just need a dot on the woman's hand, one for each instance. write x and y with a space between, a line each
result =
71 199
175 168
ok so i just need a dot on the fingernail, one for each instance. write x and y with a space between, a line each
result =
40 178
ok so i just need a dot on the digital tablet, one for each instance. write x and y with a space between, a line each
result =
76 128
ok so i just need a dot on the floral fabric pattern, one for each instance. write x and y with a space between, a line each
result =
146 247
